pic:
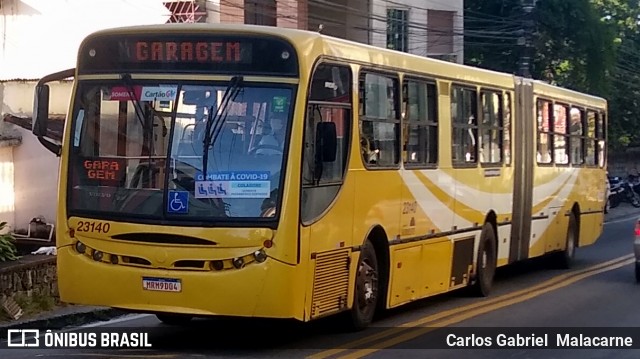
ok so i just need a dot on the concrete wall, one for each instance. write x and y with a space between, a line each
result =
7 194
213 11
624 164
35 169
31 276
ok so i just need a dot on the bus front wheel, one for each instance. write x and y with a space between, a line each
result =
486 262
366 288
174 319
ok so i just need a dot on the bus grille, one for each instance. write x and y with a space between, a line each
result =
330 283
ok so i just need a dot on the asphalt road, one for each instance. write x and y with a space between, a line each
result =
600 292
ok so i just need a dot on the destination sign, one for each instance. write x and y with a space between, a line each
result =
171 51
212 53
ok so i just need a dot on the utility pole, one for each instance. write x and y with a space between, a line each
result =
526 41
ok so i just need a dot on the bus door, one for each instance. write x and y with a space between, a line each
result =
327 193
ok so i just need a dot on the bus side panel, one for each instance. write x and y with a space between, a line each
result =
419 270
592 205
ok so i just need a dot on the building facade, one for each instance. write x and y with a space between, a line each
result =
431 28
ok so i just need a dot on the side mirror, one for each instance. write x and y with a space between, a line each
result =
41 110
326 142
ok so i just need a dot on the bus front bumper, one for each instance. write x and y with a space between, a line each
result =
257 290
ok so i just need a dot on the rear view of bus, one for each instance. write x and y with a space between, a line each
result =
172 174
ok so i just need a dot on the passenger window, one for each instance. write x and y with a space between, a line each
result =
560 137
464 114
421 124
544 154
601 137
576 129
507 128
590 157
379 120
491 129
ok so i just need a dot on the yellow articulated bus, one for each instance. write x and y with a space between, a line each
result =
266 172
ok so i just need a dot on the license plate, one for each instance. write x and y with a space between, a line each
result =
161 284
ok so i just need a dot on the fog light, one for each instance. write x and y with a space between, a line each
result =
80 247
217 265
97 255
114 259
260 256
238 263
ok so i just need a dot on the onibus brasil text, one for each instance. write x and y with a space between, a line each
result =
80 340
532 340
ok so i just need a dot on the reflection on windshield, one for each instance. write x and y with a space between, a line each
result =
150 161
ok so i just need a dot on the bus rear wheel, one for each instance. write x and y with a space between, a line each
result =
486 262
174 319
565 259
366 292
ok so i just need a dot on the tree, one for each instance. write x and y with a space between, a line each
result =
589 46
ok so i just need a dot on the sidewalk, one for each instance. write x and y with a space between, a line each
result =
622 211
71 315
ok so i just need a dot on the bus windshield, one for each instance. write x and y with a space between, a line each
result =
178 151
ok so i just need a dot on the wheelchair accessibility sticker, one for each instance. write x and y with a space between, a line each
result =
233 185
178 202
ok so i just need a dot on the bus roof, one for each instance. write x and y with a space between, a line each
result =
313 44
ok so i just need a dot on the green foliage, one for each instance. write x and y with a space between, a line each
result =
8 251
590 46
35 303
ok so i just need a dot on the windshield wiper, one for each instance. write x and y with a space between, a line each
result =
126 79
215 124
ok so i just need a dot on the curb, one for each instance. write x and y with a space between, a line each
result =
57 322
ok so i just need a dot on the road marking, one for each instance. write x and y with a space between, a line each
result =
412 334
457 311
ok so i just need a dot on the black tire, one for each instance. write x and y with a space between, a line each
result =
635 200
366 294
565 259
486 262
174 319
614 202
637 272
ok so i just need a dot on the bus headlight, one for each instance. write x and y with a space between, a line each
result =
80 247
238 263
260 256
217 265
97 255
